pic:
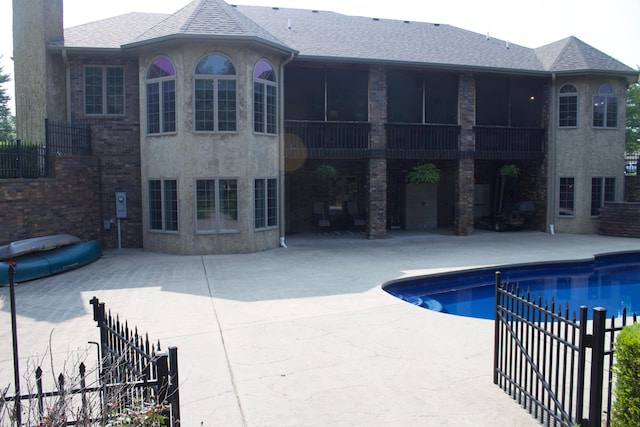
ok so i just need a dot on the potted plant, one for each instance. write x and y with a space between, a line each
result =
326 172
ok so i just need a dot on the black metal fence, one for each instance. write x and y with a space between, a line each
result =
68 138
22 160
133 378
542 353
135 371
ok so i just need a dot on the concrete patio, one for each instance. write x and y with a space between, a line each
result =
298 336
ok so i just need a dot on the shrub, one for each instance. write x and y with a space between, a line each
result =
626 408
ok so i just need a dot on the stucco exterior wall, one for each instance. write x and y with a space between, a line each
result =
585 152
187 155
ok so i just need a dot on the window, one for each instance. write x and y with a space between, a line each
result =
104 90
422 97
215 94
568 106
512 102
216 205
161 97
265 203
605 108
567 197
264 98
163 205
327 95
602 190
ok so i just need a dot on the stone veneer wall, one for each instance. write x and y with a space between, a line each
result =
67 202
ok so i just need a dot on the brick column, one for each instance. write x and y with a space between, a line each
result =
463 220
377 170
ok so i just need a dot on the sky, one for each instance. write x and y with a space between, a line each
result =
612 26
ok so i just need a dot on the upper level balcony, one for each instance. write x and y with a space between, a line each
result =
326 140
509 143
422 141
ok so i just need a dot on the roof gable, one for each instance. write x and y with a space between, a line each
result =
572 54
206 18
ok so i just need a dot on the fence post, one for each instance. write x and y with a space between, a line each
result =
597 366
18 158
174 392
582 350
496 332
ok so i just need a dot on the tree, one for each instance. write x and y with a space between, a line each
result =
7 120
632 141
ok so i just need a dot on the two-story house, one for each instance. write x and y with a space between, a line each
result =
215 121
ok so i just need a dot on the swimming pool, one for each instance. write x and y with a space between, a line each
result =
611 281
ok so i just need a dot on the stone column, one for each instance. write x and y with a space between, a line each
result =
463 220
377 171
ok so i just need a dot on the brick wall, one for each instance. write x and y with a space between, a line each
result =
632 188
620 219
115 141
377 171
68 202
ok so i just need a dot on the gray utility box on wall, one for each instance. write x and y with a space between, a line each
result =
121 204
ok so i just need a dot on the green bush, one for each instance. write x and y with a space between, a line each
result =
626 408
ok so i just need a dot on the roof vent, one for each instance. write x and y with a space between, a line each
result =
275 8
289 24
506 44
436 25
407 22
487 35
376 19
314 11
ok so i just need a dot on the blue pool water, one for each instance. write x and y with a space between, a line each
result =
611 281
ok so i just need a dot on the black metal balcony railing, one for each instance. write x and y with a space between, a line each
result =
327 140
419 141
505 143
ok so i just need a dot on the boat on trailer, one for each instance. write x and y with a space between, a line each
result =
47 255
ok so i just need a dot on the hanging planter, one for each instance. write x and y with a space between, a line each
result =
426 173
510 171
326 173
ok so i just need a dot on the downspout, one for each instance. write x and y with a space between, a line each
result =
552 179
281 153
67 71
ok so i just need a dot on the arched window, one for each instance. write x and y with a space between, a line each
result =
215 94
161 96
568 106
605 108
265 95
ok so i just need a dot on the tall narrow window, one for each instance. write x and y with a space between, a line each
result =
603 190
605 108
216 205
163 205
264 98
265 203
568 106
215 95
104 90
161 96
567 197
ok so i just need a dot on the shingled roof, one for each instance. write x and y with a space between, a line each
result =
329 36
